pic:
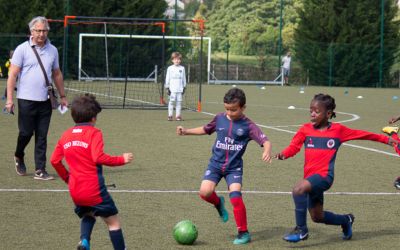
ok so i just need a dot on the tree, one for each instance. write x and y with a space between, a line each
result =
338 41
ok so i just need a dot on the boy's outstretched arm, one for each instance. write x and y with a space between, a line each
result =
266 156
190 131
128 157
279 156
394 119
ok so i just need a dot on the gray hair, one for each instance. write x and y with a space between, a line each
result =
40 19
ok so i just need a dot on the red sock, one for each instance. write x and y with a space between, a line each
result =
239 211
213 199
396 147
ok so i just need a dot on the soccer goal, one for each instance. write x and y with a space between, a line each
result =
123 62
88 74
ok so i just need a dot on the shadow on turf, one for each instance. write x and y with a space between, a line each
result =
268 233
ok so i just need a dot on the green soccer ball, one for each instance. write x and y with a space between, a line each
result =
185 232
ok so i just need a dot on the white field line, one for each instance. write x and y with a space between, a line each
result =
193 192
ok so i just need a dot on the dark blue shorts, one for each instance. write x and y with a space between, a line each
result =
105 209
231 176
319 185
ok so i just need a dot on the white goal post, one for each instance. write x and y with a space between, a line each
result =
152 77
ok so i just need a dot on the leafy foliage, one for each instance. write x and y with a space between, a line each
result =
250 27
338 42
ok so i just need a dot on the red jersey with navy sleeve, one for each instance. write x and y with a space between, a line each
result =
232 139
82 146
321 146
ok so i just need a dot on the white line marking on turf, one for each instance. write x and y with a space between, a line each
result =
194 191
355 117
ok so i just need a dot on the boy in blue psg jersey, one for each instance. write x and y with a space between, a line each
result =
234 131
321 140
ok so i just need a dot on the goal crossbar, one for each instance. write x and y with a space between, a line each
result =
82 35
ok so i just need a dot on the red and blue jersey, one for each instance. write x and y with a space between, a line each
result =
232 139
321 146
82 146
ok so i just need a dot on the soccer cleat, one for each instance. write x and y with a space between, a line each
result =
242 238
221 210
347 228
389 130
397 183
179 118
83 245
170 118
41 174
296 235
20 167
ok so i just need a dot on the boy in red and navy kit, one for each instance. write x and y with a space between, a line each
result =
82 148
234 131
321 140
392 131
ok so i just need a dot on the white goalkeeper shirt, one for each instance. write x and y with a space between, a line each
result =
176 78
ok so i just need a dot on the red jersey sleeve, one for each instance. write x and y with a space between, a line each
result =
56 162
348 134
98 155
296 144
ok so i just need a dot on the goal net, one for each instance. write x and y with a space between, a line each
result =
125 67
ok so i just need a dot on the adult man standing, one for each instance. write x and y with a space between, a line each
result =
286 67
34 106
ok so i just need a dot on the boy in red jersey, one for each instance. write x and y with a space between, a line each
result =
392 131
82 148
321 140
234 131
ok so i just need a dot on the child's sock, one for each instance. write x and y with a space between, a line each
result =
335 219
396 146
239 210
300 202
117 239
87 224
213 199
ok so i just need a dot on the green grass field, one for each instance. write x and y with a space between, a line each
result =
160 187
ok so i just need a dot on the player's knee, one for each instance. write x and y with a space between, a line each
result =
205 193
317 218
113 223
298 190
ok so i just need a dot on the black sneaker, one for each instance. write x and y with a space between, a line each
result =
42 175
20 167
397 183
347 228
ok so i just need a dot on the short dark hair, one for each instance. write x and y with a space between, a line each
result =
328 101
235 95
84 108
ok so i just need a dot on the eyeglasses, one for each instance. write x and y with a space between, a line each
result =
41 31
